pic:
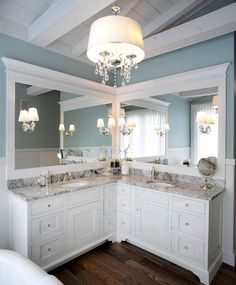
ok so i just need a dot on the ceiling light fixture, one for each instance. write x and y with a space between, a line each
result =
115 42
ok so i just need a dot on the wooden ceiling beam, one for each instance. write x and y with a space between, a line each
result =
61 17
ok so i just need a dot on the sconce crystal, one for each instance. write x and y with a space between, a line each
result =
164 131
28 118
105 130
204 120
70 131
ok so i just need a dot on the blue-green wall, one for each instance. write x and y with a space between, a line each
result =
20 50
87 134
212 52
208 53
179 112
46 133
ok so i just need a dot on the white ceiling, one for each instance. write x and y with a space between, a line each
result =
63 25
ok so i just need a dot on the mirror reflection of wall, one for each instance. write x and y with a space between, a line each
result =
37 148
87 142
143 141
185 141
40 147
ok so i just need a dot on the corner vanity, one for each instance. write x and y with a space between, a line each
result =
181 223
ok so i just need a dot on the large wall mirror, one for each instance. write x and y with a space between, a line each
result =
79 141
182 127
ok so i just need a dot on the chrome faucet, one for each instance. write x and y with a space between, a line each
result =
154 174
67 177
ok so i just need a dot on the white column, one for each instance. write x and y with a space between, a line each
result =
116 131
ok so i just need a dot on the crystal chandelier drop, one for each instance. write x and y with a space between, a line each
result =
115 42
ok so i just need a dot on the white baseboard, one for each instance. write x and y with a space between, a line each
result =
229 258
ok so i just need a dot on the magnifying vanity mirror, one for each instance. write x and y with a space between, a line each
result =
207 168
79 140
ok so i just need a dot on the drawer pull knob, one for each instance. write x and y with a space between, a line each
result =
186 247
187 205
123 205
49 205
109 223
187 224
137 209
123 223
49 249
49 225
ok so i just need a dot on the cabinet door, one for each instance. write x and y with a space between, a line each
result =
84 225
152 224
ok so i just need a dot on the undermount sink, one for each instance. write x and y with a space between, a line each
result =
75 184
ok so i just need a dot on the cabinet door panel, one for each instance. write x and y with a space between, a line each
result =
152 224
84 224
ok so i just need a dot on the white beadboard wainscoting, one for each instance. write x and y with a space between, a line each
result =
178 155
4 228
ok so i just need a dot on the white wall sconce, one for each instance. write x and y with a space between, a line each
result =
70 131
125 129
28 118
204 120
163 132
103 129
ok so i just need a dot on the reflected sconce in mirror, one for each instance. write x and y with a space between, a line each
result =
125 129
70 131
28 119
163 132
204 120
103 129
215 102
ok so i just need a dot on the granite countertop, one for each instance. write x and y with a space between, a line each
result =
181 188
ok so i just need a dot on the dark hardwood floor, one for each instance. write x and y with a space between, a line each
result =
126 264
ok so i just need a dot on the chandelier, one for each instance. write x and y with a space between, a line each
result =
115 42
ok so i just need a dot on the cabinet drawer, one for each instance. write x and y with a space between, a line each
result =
188 247
189 224
46 205
189 205
123 223
45 227
109 190
152 196
124 204
84 196
47 252
109 224
109 205
124 189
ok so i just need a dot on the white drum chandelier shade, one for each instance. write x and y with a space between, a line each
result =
115 42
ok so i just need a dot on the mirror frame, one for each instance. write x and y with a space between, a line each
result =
17 71
21 72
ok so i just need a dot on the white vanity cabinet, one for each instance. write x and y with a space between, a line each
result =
83 217
152 221
54 229
182 229
186 231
